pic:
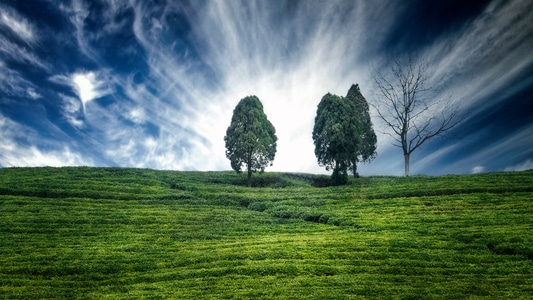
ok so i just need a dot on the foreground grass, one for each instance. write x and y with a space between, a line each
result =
128 233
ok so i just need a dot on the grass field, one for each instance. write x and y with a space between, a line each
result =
97 233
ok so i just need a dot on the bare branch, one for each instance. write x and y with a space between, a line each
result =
406 109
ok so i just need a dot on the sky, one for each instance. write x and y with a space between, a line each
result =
153 84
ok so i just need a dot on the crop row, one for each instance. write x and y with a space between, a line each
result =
163 234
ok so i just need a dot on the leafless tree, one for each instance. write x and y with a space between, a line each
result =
407 107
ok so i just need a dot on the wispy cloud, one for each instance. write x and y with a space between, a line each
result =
72 110
289 60
20 54
494 155
137 115
523 166
88 85
12 153
13 84
26 38
154 84
289 63
17 24
487 55
478 68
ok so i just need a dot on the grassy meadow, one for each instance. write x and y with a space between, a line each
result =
113 233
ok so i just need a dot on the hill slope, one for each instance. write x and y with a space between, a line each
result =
130 233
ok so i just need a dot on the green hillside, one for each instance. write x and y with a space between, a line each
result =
97 233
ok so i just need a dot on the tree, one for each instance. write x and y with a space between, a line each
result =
336 135
407 108
250 138
367 150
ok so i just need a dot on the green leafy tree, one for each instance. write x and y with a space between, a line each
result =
367 150
336 135
250 138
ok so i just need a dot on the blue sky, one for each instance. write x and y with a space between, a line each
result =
153 84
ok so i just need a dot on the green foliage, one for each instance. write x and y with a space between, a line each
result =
367 150
343 134
335 135
250 138
97 233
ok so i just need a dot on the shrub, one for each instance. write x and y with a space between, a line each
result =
323 219
284 214
258 206
322 181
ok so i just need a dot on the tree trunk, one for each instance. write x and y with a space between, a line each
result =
355 175
249 177
406 156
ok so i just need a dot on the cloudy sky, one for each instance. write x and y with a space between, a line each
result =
153 84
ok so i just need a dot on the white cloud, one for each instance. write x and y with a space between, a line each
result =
13 154
19 25
89 86
18 47
133 148
33 94
484 57
77 12
14 84
477 170
33 157
523 166
137 115
72 110
20 54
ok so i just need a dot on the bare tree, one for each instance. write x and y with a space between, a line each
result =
407 108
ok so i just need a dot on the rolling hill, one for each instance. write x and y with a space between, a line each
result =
97 233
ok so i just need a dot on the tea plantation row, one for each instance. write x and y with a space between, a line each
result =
97 233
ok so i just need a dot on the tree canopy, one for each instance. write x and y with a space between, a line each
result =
335 135
367 150
250 138
343 133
